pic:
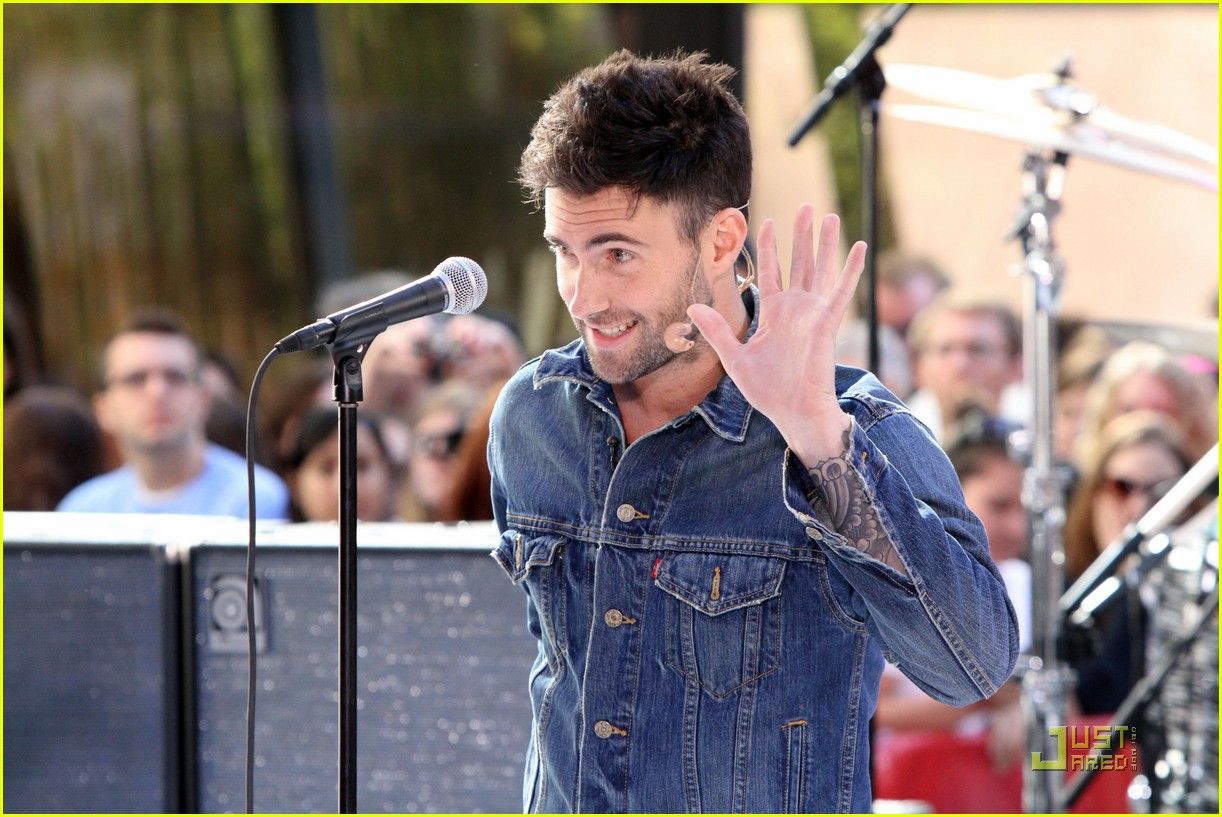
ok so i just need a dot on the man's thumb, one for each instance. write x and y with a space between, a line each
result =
715 329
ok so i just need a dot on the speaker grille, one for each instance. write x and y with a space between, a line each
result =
90 685
443 660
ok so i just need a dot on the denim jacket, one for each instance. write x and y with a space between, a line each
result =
708 641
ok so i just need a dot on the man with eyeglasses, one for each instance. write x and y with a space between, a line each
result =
968 357
154 405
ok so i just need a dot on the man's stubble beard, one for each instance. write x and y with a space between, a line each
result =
170 445
651 352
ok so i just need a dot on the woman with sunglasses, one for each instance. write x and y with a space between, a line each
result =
438 424
1136 458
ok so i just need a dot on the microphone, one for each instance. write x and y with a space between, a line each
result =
457 286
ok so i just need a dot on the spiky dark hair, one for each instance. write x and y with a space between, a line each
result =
669 128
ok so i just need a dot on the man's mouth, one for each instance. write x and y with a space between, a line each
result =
613 331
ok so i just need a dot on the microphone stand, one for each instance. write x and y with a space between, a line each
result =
869 95
861 71
457 286
352 339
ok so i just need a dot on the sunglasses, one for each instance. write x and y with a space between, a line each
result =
1123 488
975 351
438 446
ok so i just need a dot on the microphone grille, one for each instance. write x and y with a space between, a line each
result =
466 282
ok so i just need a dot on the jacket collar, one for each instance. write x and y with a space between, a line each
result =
725 409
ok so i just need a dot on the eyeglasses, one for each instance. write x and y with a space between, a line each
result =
439 446
976 351
137 380
1122 488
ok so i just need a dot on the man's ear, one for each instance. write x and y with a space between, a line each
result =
728 233
919 371
102 412
1016 369
203 403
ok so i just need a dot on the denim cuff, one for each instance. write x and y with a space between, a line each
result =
840 508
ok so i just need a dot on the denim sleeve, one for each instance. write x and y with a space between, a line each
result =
930 593
494 470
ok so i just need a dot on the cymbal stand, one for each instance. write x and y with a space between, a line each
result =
1142 693
1045 682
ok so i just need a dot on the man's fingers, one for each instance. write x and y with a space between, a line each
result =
829 249
853 266
765 247
802 259
716 331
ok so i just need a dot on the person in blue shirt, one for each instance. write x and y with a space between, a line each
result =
721 534
153 403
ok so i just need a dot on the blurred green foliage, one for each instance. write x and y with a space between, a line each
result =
148 151
835 29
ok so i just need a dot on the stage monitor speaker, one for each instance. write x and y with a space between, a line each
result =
443 661
91 671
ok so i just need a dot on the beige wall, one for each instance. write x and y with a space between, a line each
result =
1137 247
780 84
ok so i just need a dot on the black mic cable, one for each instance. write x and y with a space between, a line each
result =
251 621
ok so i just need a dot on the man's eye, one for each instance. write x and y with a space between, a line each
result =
620 256
557 249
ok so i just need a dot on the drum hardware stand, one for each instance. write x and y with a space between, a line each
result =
1100 585
1045 683
1136 701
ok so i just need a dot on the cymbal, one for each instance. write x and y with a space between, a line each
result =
1048 99
1078 138
1197 337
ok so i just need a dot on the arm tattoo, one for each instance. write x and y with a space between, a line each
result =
843 496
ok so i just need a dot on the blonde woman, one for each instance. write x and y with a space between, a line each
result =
1144 376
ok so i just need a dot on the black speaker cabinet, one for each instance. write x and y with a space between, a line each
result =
443 659
91 671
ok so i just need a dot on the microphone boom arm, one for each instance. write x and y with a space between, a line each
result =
845 75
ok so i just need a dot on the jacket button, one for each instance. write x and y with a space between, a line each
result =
613 617
603 729
814 533
625 512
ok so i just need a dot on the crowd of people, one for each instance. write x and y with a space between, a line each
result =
164 429
1131 419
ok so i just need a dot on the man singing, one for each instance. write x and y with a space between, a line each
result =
721 533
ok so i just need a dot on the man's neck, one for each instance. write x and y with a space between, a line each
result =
652 401
167 469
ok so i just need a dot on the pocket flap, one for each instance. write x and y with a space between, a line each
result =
715 583
517 554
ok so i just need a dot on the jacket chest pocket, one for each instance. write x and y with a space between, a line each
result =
723 618
536 563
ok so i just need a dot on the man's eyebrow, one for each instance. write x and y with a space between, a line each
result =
601 238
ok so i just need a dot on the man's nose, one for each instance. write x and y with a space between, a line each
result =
588 295
963 364
157 384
